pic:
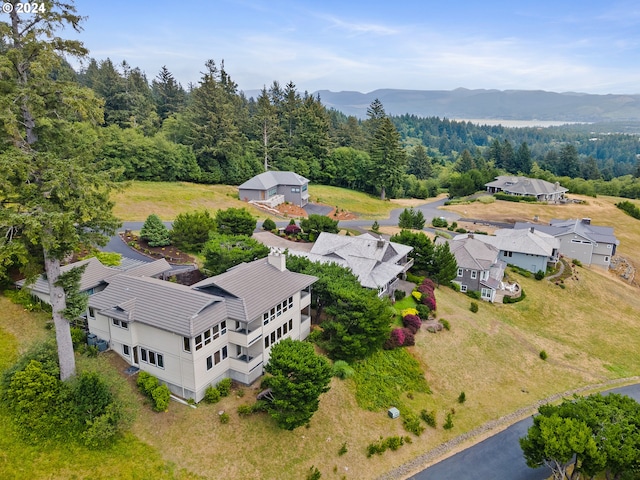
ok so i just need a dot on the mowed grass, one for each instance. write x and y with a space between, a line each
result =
137 200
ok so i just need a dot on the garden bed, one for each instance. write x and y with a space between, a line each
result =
170 253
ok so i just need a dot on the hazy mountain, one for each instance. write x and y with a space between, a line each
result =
490 104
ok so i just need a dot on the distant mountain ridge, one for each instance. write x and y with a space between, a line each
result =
463 103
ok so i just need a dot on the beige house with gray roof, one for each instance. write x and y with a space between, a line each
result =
528 187
273 188
193 337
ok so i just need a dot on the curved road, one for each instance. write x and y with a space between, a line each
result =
498 457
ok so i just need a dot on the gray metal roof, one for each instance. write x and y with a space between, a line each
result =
525 186
150 269
258 285
94 274
161 304
581 227
272 178
522 241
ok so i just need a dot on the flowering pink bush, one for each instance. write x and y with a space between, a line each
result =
430 302
412 322
396 339
409 338
429 283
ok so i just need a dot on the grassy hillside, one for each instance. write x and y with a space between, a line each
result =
138 200
589 330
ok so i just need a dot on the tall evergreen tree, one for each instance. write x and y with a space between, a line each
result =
420 163
569 165
53 194
387 157
523 158
168 94
465 162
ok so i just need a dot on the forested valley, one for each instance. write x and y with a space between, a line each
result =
210 132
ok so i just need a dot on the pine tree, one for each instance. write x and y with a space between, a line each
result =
387 157
55 198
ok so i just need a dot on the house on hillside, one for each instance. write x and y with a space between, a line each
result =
579 239
529 249
528 187
95 275
378 263
479 266
273 188
193 337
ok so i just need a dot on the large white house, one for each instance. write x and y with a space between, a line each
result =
192 337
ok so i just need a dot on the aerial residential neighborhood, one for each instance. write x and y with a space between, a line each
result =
309 240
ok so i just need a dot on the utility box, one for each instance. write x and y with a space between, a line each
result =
393 412
102 345
92 339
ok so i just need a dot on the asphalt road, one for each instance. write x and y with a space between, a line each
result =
498 457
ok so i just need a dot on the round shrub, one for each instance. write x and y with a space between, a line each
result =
224 418
224 387
412 322
430 302
445 324
161 396
423 311
539 275
474 307
342 370
211 394
409 338
396 339
292 229
399 294
268 225
543 355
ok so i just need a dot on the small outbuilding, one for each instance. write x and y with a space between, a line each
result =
394 412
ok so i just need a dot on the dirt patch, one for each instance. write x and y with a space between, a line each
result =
170 253
341 215
290 210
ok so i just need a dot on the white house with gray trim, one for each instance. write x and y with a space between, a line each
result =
528 187
273 188
193 337
579 239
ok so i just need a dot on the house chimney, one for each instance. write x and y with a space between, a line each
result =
586 221
556 186
531 229
380 242
470 235
277 259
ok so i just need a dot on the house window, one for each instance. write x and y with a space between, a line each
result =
290 324
484 275
508 254
266 342
474 274
217 357
606 259
209 363
186 344
125 350
272 191
120 324
198 342
463 288
152 358
92 312
295 190
609 246
304 188
115 322
460 272
486 293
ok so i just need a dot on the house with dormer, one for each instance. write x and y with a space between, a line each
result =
542 190
191 337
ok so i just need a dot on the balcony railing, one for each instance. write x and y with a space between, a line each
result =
243 338
246 363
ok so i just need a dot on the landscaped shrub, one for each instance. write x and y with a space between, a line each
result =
427 285
409 311
409 338
224 418
474 307
412 322
445 324
430 303
461 230
396 339
399 294
514 198
375 227
576 262
381 446
224 387
411 423
154 232
539 275
313 474
439 222
417 279
416 295
212 394
429 417
292 229
475 294
543 355
147 383
78 337
514 299
161 397
342 370
269 225
629 208
462 397
423 311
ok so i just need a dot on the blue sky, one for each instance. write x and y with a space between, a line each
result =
576 45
